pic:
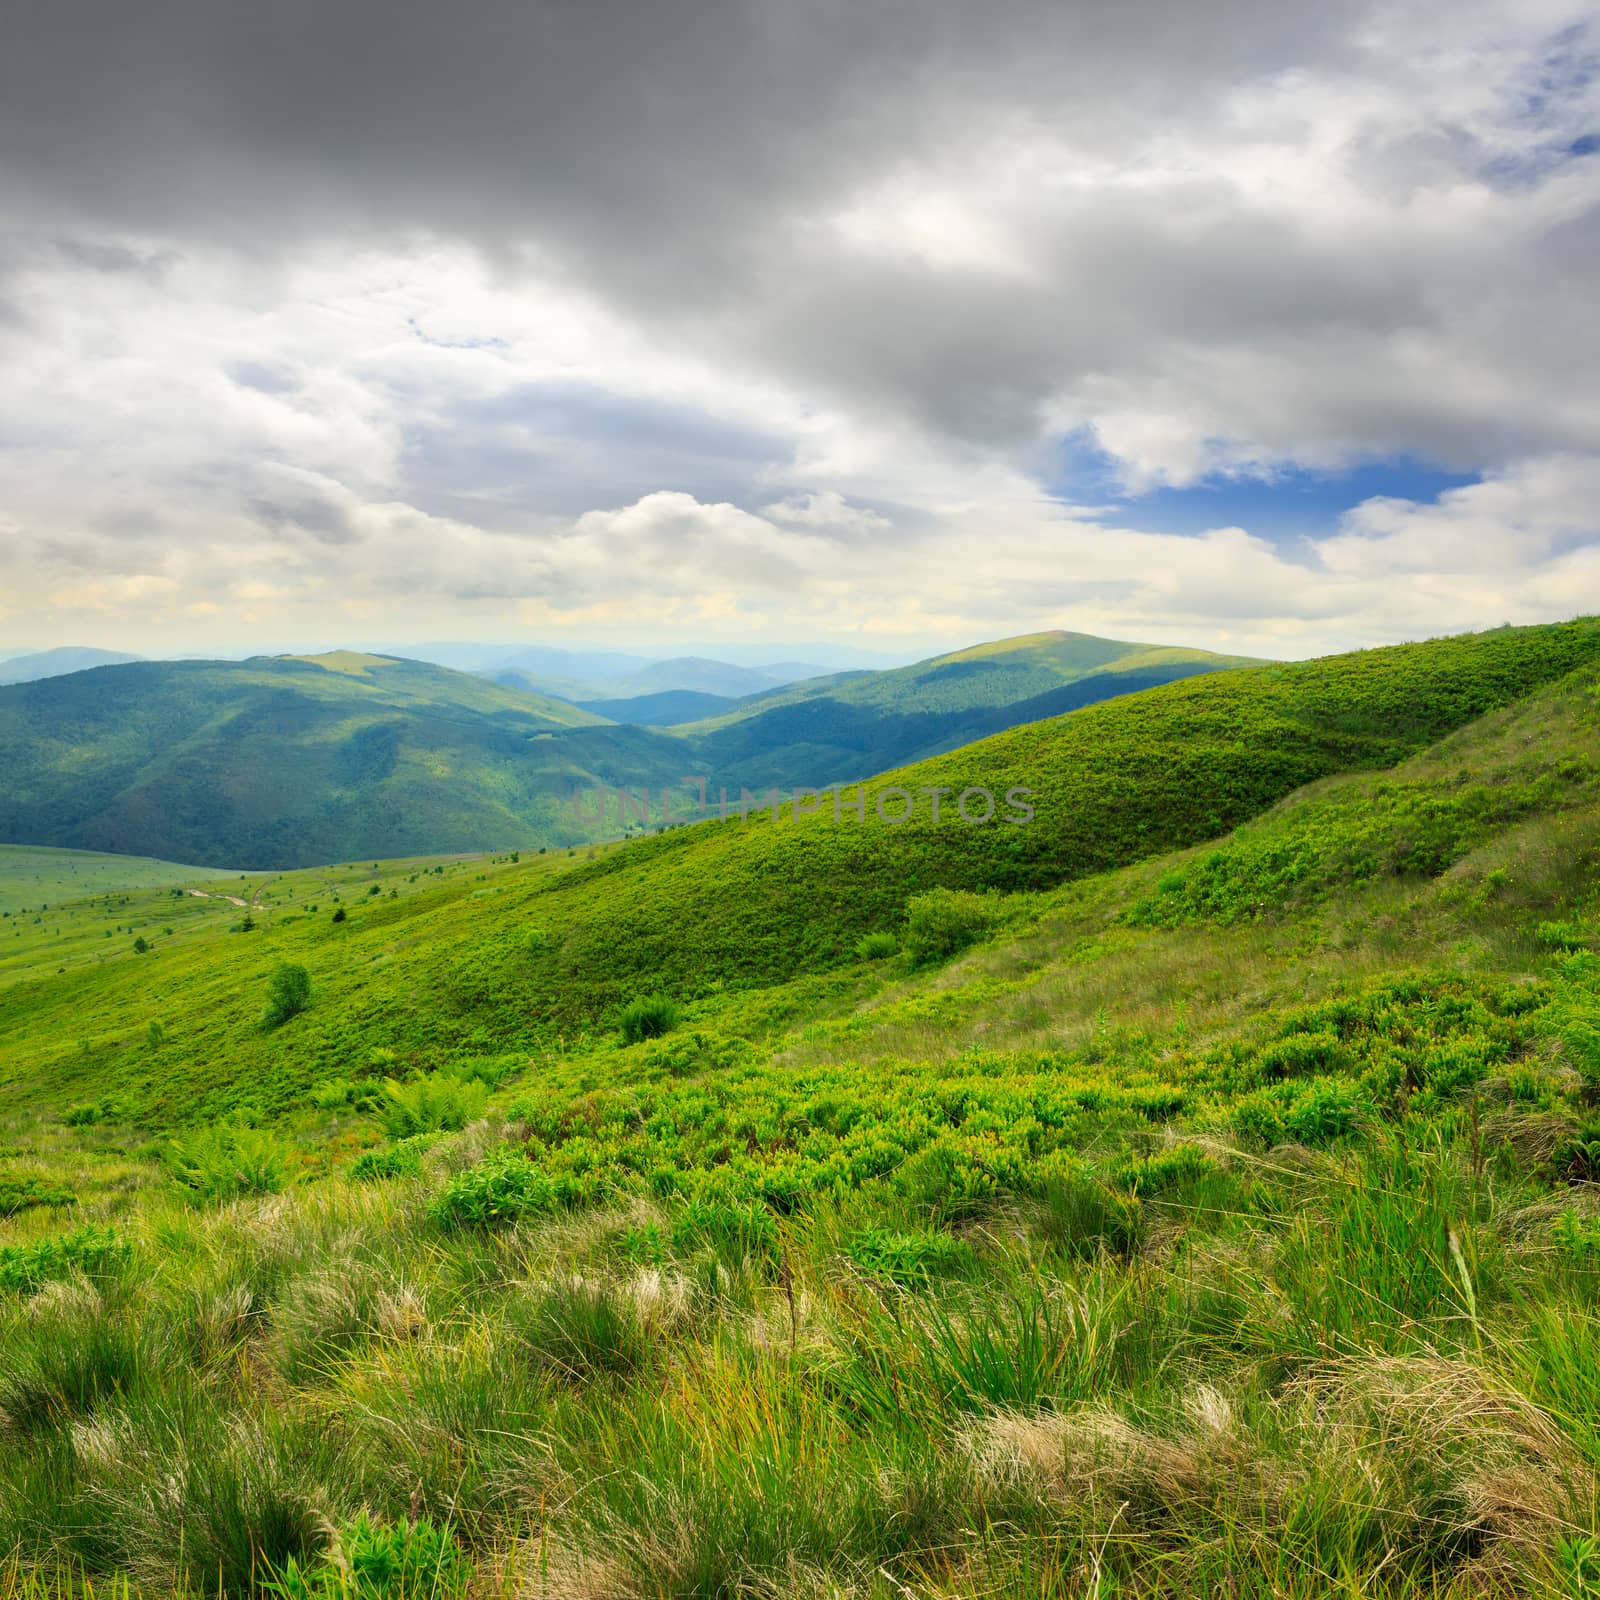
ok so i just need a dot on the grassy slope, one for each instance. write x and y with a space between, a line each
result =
33 876
990 674
735 906
281 761
855 723
1208 1231
79 999
1112 783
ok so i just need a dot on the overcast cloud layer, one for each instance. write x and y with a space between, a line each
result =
749 318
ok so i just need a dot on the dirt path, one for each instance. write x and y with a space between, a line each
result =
232 899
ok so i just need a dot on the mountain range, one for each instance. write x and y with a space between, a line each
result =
287 760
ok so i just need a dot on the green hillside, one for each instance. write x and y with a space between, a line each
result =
1113 783
853 724
729 906
33 876
1220 1222
287 761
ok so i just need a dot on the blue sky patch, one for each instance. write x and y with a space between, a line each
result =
1292 504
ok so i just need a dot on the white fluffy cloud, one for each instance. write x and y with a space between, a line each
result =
786 343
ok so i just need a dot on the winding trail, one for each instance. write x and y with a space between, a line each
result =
232 899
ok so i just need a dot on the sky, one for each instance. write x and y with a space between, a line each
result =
890 324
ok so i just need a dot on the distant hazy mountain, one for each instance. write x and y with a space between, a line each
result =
36 664
798 671
664 710
594 665
696 674
584 666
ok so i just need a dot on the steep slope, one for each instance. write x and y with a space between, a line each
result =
277 761
531 954
852 724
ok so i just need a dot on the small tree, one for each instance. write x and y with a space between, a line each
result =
943 922
289 993
140 945
338 915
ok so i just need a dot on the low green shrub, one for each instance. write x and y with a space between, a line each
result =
1161 1170
490 1071
877 946
21 1192
441 1103
1324 1113
229 1160
334 1094
1258 1119
86 1115
648 1018
1578 1236
506 1186
402 1159
907 1257
379 1561
92 1250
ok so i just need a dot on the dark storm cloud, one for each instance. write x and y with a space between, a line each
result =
647 144
687 164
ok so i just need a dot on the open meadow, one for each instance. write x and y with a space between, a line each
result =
1192 1194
